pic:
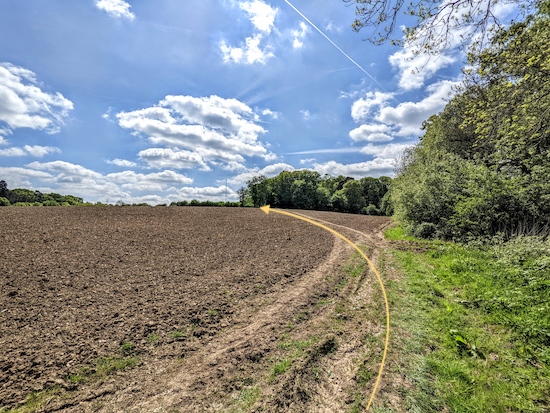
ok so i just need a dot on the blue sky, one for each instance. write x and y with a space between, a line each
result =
158 101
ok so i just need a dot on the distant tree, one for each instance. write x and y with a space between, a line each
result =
352 192
242 193
4 201
323 197
339 201
4 192
20 195
38 196
370 210
259 190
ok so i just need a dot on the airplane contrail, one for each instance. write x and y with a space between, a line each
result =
335 45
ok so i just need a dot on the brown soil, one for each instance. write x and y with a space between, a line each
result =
77 283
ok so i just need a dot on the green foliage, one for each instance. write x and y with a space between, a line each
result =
370 210
339 201
4 201
482 165
425 230
353 192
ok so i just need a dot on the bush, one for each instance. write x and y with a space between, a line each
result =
370 210
425 230
4 202
50 203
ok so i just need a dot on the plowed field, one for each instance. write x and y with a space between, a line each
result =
83 286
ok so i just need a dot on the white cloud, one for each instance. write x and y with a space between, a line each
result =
375 168
389 151
39 151
24 105
12 152
234 166
410 115
196 131
269 171
261 15
306 114
115 8
160 158
297 44
413 71
404 120
330 27
131 180
250 53
267 112
299 35
203 194
309 160
17 177
361 108
122 162
68 178
4 132
36 151
371 133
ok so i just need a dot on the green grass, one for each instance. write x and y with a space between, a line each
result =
107 365
472 326
153 338
398 233
281 367
246 399
127 347
177 334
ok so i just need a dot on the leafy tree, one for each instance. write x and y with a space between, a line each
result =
20 195
259 190
509 96
339 201
370 210
4 201
304 193
4 192
437 21
323 197
352 192
242 193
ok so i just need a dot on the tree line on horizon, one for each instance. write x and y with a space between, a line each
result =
305 189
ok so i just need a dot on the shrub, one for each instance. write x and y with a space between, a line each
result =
50 203
4 202
425 230
370 210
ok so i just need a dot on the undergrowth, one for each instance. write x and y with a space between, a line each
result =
471 326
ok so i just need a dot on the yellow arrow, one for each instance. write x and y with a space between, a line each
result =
267 209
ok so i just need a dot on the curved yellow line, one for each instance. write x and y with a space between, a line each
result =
267 209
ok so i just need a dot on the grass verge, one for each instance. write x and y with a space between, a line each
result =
471 326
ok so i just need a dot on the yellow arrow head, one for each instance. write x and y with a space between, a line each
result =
265 209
